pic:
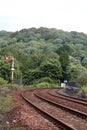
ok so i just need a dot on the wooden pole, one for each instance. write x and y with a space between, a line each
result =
12 69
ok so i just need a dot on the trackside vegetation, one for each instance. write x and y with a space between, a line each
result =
43 57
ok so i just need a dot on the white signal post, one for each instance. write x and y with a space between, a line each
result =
12 69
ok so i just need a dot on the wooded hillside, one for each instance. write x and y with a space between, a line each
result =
44 55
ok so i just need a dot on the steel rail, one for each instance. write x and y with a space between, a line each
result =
62 106
68 98
79 99
63 124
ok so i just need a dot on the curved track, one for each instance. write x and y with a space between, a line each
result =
64 116
63 100
57 94
72 97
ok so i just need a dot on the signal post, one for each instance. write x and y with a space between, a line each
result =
12 70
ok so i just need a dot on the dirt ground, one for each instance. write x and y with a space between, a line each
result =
25 117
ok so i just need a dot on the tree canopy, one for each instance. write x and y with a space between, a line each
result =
43 54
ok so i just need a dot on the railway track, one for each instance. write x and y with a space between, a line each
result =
63 100
57 94
84 100
63 116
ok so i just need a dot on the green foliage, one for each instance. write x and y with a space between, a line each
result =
5 69
2 81
64 48
84 89
82 79
64 61
51 69
45 85
47 80
43 53
6 103
76 71
5 66
47 69
84 62
31 75
49 66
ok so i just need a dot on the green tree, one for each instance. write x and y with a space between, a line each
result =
84 62
31 75
5 69
64 60
76 71
51 69
64 48
82 79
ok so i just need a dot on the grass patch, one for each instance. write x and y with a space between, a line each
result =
6 103
84 89
45 85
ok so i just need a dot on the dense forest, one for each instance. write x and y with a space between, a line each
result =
44 56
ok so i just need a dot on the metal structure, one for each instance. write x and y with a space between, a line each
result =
12 71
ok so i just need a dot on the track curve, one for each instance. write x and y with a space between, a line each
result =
64 117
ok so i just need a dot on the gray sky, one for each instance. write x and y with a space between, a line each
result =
68 15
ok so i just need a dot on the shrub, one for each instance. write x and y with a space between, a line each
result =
2 81
45 85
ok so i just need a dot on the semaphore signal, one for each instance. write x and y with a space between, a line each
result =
7 58
11 60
